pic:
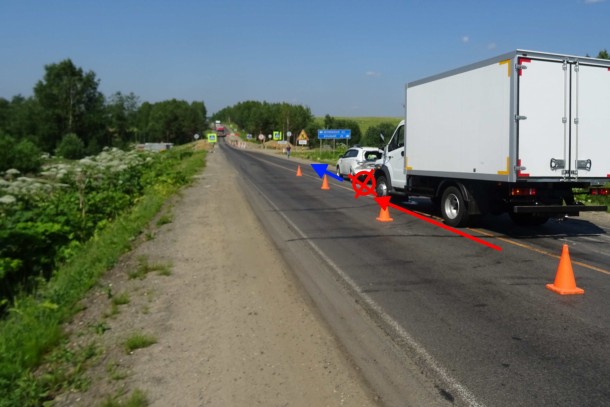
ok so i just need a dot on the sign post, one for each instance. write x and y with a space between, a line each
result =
332 134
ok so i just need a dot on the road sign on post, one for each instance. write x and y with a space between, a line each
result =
302 139
329 134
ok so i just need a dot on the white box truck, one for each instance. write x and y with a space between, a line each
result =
517 133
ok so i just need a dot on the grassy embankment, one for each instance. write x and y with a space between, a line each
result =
31 332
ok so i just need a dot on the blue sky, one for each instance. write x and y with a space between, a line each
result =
338 57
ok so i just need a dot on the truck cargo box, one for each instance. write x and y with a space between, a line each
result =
522 116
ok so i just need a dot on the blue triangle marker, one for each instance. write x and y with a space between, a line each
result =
321 169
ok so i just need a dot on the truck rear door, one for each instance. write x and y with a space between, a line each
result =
563 119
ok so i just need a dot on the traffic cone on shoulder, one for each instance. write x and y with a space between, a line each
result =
325 183
565 284
384 215
299 173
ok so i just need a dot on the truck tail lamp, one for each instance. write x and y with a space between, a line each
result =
599 191
523 191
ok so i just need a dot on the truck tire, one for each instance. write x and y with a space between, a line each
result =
453 207
381 186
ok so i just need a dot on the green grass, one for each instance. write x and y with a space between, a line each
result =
32 330
115 372
144 267
121 299
137 399
139 341
165 219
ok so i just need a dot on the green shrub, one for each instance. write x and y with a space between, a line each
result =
24 156
71 147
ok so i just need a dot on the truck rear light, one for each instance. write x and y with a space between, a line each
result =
599 191
523 192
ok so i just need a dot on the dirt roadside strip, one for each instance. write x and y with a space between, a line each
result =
231 324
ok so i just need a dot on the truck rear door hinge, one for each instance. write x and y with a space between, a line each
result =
583 165
557 164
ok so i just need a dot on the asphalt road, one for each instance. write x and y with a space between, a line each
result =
433 318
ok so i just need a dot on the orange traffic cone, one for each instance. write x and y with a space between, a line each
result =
299 173
325 183
384 215
564 280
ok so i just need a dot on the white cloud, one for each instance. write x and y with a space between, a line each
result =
373 73
593 1
465 39
491 45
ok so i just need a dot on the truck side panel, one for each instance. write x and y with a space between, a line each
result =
460 124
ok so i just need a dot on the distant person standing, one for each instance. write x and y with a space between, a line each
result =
288 151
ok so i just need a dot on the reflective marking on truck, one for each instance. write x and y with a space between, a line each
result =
407 165
507 63
520 62
519 168
507 170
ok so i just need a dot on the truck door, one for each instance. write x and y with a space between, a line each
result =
563 125
395 161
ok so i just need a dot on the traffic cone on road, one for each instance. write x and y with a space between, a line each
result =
299 173
565 283
384 215
325 183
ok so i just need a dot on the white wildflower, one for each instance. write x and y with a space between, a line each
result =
8 199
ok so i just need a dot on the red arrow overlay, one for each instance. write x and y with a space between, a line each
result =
384 203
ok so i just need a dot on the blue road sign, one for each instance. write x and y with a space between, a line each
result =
334 134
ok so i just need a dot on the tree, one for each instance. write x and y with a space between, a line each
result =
71 103
603 54
334 123
20 118
71 147
122 116
372 136
173 121
263 117
22 155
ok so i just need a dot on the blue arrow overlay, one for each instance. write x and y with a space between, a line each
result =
321 170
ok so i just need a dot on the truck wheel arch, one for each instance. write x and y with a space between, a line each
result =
446 184
383 172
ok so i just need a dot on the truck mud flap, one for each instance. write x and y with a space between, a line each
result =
559 209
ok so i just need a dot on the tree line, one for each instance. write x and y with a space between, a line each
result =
265 118
68 116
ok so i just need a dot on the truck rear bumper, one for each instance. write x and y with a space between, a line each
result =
559 209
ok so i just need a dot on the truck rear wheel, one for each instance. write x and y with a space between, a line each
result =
453 207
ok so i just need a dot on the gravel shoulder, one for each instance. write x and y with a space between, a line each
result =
231 323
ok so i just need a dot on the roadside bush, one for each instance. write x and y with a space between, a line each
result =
109 199
24 156
71 147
